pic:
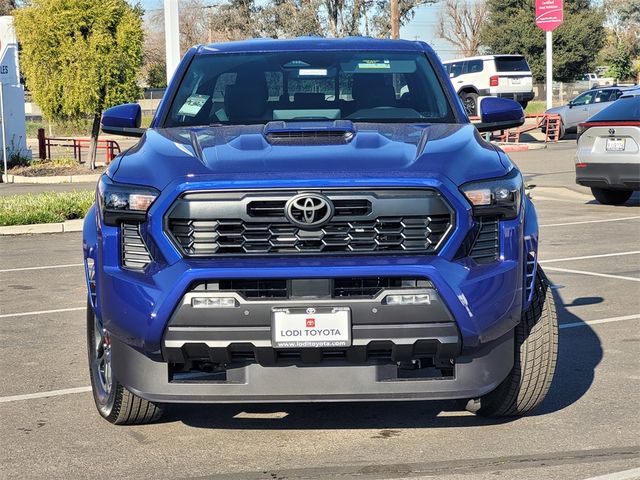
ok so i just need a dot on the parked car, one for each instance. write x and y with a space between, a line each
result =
593 80
292 227
584 106
505 76
608 157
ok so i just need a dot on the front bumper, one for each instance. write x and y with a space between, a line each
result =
621 176
473 376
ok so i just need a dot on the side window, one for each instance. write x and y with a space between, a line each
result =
474 66
584 98
455 69
604 96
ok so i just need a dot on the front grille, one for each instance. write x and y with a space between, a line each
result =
135 255
283 289
251 223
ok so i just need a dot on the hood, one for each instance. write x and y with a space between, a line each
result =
248 153
557 109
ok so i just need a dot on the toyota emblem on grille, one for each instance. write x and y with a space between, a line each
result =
612 131
309 210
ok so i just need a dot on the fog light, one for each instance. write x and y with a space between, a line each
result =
418 299
213 302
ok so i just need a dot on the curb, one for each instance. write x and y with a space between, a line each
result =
51 179
62 227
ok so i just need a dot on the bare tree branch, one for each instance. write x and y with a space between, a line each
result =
459 24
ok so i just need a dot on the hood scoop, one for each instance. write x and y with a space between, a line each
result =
339 132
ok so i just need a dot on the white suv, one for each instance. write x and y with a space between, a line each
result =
507 76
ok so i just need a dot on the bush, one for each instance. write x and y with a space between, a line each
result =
48 207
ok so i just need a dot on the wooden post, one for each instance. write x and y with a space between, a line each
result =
42 150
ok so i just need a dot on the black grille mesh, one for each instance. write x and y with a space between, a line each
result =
385 234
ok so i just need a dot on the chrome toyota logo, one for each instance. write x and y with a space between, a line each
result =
612 131
309 210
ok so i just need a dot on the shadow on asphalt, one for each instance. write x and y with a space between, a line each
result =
579 353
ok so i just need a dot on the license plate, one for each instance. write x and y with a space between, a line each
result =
615 144
516 81
311 327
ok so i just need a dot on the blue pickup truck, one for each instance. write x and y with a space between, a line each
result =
314 220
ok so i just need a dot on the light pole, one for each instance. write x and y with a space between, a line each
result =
172 36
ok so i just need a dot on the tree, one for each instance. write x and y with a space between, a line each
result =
623 20
510 28
621 65
84 56
291 18
6 6
459 24
380 19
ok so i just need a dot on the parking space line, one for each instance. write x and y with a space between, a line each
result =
593 274
632 474
44 267
50 393
590 221
41 312
596 322
587 257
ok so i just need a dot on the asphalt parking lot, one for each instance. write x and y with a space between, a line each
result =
588 426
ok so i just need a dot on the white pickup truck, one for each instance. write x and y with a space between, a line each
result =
593 80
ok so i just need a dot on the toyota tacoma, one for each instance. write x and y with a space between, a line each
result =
314 220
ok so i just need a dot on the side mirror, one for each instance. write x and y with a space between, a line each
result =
570 104
498 114
123 120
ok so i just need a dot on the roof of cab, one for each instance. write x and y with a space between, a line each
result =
313 43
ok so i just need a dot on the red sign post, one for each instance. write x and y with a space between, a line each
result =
549 16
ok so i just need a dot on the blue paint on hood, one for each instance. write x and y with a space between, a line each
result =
243 153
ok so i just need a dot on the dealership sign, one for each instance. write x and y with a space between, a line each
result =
549 14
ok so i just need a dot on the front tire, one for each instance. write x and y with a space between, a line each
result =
611 197
470 102
536 351
114 402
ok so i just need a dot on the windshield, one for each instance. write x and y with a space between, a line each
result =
233 89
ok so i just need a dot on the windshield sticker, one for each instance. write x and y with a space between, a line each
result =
374 64
313 72
193 105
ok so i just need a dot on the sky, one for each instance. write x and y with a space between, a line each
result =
422 27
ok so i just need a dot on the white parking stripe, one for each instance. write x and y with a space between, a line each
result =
633 474
589 221
593 274
41 312
596 322
50 393
45 267
586 257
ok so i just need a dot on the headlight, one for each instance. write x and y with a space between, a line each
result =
121 202
496 197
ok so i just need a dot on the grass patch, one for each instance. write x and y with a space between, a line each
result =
48 207
535 107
